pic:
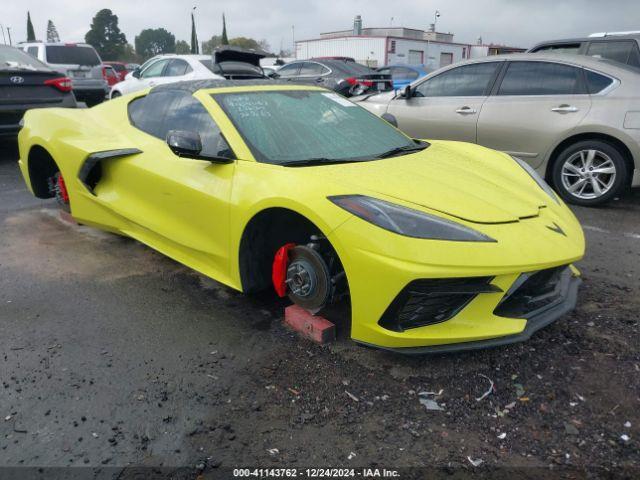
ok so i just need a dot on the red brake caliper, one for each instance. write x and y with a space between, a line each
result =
62 188
279 270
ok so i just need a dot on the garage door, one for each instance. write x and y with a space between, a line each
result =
416 57
446 59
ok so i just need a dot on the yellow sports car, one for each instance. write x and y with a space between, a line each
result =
438 245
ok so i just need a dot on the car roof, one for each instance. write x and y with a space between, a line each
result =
596 38
57 44
585 61
193 86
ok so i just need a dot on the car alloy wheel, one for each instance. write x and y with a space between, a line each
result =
588 174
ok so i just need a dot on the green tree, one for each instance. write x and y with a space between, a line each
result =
245 42
105 35
52 32
31 34
182 47
210 45
194 36
153 41
129 55
224 40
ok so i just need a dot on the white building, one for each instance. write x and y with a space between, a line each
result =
392 45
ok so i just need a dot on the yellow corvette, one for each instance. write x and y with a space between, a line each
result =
438 245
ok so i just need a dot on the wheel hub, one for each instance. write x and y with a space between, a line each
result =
588 174
301 278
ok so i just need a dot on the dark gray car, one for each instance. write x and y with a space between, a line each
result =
345 77
28 83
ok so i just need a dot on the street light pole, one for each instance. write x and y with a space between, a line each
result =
9 33
4 40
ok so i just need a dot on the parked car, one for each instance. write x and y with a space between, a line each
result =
110 75
345 77
237 63
120 68
166 69
622 47
263 185
403 75
78 61
575 119
27 83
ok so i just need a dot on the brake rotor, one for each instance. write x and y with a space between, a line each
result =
308 279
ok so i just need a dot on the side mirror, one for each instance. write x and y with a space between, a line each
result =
406 92
390 119
184 144
136 73
273 75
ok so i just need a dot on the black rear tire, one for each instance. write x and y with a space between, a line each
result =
578 180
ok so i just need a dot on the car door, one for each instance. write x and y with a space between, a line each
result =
152 75
175 71
446 106
289 71
180 206
312 73
534 105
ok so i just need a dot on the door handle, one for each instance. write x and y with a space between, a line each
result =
466 111
319 80
564 108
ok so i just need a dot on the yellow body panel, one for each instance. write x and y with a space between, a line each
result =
196 212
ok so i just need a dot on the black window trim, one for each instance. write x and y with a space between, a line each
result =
490 86
582 86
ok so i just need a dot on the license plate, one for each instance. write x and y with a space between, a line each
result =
79 74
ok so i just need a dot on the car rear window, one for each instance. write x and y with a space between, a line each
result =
540 78
559 48
622 52
72 55
596 82
12 58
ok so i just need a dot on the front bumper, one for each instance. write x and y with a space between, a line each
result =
534 322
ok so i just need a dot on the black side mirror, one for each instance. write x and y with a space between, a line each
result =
406 92
274 75
390 119
184 144
136 72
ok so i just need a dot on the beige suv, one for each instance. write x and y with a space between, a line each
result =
575 119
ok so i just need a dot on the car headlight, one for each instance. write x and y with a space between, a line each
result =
537 178
406 221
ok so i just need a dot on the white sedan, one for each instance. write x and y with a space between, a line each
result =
167 68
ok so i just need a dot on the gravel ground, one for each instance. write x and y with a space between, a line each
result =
113 355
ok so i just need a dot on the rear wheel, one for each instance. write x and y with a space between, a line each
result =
590 173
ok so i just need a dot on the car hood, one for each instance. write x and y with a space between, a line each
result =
461 180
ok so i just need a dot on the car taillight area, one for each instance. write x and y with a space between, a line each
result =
61 83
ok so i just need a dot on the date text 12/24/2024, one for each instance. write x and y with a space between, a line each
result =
315 472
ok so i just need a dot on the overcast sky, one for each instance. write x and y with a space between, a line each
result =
512 22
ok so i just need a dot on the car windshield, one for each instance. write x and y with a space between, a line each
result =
299 126
14 59
72 55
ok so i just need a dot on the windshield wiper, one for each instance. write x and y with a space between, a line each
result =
394 152
317 161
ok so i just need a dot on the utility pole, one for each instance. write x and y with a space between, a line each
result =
4 39
293 38
9 33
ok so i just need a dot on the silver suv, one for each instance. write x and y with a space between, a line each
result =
78 61
574 118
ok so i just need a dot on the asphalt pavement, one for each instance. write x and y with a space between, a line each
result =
114 355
